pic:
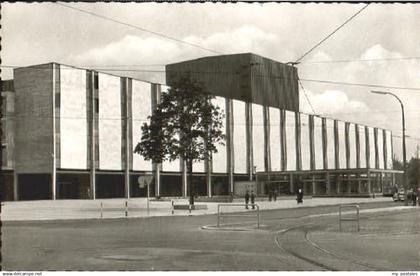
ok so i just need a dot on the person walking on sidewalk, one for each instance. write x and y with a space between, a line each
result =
275 194
299 196
253 199
246 199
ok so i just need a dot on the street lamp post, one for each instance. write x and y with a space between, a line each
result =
403 142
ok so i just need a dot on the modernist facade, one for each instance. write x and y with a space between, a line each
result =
71 134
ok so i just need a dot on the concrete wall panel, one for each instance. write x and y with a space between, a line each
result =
173 166
352 146
73 129
305 142
239 136
290 140
362 143
389 152
381 149
330 144
34 123
275 140
342 144
371 148
258 136
319 158
220 158
141 109
110 116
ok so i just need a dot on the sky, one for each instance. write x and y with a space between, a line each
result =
44 32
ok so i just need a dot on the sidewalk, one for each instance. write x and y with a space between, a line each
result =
137 207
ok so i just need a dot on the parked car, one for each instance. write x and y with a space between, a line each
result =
399 196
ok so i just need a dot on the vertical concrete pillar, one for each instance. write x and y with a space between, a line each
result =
156 174
356 127
347 143
267 157
314 188
283 140
298 142
339 183
126 139
336 145
229 143
324 145
328 183
155 96
359 184
311 141
369 151
209 169
184 178
349 183
375 136
381 182
91 124
15 186
292 184
54 149
393 179
369 183
249 141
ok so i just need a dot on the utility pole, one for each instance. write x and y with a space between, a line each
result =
405 182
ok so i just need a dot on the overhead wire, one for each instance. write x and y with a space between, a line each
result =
306 96
332 33
138 28
360 60
235 73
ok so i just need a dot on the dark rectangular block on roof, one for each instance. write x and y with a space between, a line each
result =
247 77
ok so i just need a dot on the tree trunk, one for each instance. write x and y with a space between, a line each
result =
190 181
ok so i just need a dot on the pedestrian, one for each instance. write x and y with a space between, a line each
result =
253 199
299 196
275 194
246 199
414 198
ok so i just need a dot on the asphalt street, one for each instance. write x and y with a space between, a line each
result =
298 239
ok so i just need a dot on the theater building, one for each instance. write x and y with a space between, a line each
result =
70 133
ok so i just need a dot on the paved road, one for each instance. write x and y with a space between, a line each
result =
289 240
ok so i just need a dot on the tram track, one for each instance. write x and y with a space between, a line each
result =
323 253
